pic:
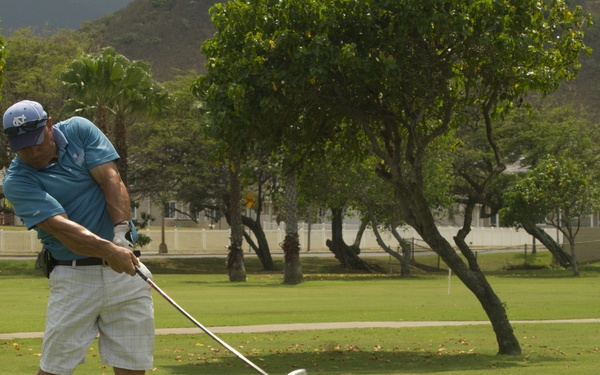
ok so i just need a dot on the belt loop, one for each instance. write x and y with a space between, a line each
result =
74 264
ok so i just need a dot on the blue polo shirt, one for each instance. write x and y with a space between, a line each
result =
66 186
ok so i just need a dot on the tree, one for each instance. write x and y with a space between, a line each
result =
32 66
2 52
241 133
292 272
259 178
331 182
171 159
548 127
342 182
113 92
235 257
533 132
557 192
29 68
403 74
34 63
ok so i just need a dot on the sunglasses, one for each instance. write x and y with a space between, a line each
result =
27 127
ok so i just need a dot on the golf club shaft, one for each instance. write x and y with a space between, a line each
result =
197 323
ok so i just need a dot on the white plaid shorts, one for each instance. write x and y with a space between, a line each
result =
94 301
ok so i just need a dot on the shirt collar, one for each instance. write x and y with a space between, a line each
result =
59 139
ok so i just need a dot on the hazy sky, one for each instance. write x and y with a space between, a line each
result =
54 13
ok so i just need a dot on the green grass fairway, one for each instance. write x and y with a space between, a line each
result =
329 294
547 349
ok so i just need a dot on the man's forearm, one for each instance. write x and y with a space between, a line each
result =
116 195
77 238
117 202
82 241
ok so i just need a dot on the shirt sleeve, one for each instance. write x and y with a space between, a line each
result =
34 204
97 147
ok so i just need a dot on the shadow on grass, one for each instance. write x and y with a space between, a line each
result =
185 355
586 270
314 268
354 361
310 265
19 268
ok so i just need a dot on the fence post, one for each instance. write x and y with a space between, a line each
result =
525 257
32 241
279 240
176 238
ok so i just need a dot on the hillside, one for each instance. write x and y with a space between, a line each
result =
53 14
584 90
166 33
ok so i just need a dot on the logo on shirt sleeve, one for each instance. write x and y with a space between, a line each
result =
79 158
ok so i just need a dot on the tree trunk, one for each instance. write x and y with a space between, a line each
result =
101 119
336 245
573 256
563 258
407 251
359 234
424 223
162 248
387 249
345 254
235 257
292 273
415 211
262 247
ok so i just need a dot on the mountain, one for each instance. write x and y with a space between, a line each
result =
166 33
53 14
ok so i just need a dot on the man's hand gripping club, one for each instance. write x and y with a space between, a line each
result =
123 261
81 241
123 235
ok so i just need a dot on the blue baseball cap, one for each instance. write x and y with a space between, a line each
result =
24 124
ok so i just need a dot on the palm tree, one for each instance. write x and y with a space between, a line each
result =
235 257
113 92
291 244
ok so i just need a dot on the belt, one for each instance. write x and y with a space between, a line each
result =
80 262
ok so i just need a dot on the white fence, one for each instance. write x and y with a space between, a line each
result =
212 241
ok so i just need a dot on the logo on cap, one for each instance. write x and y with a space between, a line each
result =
19 120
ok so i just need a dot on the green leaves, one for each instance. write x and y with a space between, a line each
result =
108 84
2 52
294 75
557 184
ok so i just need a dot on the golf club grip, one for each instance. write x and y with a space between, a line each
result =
137 270
197 323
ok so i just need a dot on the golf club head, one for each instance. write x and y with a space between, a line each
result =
298 372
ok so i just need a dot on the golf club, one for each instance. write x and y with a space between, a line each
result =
206 330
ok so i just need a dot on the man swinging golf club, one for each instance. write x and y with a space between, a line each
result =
64 183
